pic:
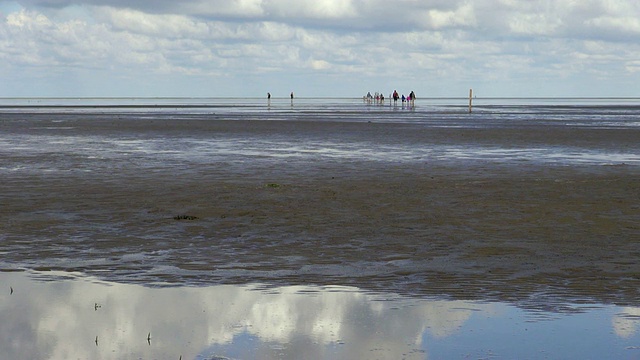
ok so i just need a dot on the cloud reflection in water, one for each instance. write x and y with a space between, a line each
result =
62 319
68 316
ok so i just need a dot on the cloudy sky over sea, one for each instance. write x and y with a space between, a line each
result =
319 48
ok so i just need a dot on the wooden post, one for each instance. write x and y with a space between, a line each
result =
470 99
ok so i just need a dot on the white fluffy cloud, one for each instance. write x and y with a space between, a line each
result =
504 47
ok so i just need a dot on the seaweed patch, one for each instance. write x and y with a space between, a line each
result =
185 217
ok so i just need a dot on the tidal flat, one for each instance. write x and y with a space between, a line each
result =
355 219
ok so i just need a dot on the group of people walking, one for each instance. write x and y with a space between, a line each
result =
410 99
378 98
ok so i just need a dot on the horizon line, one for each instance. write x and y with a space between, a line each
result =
308 97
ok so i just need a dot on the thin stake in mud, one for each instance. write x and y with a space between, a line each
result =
96 340
11 287
149 339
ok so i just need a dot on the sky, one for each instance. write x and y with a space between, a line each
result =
319 48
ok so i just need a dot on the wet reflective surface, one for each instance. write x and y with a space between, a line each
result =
67 316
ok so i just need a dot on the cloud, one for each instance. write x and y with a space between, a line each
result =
171 26
449 42
534 17
34 39
327 9
320 64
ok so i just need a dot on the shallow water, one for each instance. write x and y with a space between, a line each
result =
526 203
74 317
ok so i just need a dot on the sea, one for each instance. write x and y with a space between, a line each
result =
224 228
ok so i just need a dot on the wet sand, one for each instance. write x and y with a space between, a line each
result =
536 234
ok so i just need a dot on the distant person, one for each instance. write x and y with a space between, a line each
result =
268 96
412 97
395 96
292 95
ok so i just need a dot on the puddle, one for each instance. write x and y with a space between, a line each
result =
54 315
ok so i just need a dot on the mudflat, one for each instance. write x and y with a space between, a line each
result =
280 203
